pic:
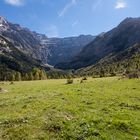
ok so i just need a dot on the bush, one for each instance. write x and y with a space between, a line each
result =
132 75
11 83
69 81
112 74
84 78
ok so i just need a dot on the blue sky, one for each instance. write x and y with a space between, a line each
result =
64 18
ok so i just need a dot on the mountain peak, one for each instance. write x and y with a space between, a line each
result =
130 20
3 23
3 20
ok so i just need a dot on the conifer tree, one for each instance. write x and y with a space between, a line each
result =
18 76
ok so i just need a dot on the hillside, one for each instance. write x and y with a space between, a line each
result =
126 61
108 45
13 60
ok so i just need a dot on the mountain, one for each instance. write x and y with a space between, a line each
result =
48 50
108 47
23 50
13 60
22 38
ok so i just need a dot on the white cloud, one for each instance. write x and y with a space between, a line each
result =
67 7
52 31
15 2
120 4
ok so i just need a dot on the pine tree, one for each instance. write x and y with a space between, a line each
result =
26 77
31 77
36 76
13 77
18 76
42 75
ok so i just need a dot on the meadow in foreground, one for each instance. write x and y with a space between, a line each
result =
98 109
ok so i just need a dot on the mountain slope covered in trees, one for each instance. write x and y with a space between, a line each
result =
109 47
128 61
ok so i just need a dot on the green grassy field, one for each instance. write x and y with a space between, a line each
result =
98 109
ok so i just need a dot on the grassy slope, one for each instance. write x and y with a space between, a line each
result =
105 108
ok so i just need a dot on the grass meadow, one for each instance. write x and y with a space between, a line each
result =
97 109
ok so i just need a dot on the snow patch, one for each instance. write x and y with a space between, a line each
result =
1 25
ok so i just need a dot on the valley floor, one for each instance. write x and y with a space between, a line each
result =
98 109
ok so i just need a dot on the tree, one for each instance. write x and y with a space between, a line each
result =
18 76
42 75
13 77
36 76
30 76
102 73
26 77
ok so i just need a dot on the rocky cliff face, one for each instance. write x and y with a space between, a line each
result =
13 60
64 49
22 38
48 50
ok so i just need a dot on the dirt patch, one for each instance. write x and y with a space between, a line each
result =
3 90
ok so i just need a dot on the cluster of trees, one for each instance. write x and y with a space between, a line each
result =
115 69
34 74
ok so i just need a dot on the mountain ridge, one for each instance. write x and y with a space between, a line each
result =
40 46
125 35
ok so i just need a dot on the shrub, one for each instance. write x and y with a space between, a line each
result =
84 78
132 75
69 81
112 74
122 125
11 83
